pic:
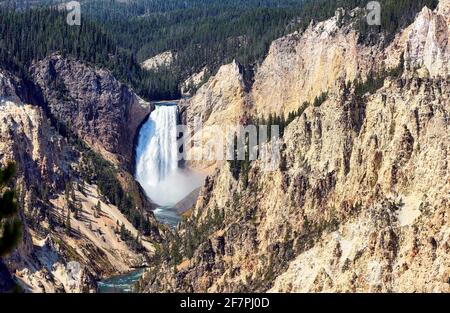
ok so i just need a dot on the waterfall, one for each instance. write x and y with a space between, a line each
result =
157 159
157 148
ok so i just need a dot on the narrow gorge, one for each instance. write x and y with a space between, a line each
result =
93 117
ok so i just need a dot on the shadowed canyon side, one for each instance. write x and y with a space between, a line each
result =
359 202
93 104
76 207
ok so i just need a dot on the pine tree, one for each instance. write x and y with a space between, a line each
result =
10 226
77 210
80 187
175 254
67 192
67 223
72 193
123 232
116 229
98 209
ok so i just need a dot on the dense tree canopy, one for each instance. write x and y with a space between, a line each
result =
118 35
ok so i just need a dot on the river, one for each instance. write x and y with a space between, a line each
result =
164 182
124 283
167 215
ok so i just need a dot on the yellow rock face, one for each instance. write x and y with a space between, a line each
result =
218 105
299 68
361 201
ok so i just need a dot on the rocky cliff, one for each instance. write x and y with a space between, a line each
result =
359 201
161 60
71 228
301 66
193 82
298 68
218 104
92 103
428 41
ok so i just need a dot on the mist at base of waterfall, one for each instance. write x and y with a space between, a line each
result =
157 159
173 188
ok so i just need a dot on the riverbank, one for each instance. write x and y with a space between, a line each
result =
124 283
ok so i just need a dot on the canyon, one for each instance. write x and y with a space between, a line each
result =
53 256
359 201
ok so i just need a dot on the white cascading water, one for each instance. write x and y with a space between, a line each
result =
157 161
